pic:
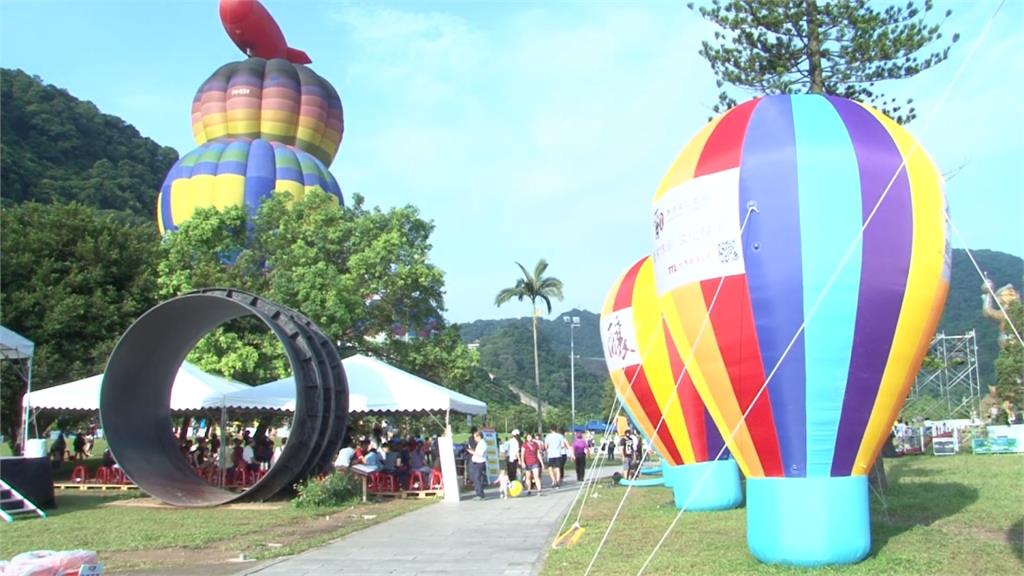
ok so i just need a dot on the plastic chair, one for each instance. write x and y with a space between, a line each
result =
381 482
241 477
416 481
436 480
117 476
79 475
103 475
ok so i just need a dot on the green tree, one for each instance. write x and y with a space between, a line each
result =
1010 362
843 48
74 278
54 146
533 287
362 275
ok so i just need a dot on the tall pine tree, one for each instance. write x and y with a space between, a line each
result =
842 47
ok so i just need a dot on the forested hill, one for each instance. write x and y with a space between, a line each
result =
963 305
55 147
506 345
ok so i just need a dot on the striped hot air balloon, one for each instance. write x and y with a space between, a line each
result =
237 172
270 99
764 274
659 395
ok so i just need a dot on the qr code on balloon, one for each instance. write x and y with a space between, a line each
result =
727 252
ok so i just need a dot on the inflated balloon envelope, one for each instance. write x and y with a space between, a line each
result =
660 398
237 172
801 241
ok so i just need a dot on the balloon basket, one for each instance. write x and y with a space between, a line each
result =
808 521
705 485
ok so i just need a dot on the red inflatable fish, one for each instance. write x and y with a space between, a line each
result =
256 33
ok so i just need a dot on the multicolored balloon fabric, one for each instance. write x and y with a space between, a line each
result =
801 241
813 168
237 172
648 374
275 100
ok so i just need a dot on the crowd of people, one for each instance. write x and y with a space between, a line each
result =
386 451
246 453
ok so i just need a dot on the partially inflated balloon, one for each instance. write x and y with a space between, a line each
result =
237 172
659 395
763 271
270 99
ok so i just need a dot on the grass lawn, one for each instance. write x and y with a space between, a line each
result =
129 531
941 515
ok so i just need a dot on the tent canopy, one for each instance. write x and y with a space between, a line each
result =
277 395
192 390
14 346
388 389
374 386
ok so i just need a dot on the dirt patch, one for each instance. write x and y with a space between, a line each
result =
233 556
155 503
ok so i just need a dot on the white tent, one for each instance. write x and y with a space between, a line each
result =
374 386
15 347
193 390
277 395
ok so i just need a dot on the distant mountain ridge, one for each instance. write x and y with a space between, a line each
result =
511 358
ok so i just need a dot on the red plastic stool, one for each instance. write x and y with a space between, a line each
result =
79 475
436 480
416 481
103 475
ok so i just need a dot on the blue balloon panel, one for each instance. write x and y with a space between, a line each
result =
808 521
705 485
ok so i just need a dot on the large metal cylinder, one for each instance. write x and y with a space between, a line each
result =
135 396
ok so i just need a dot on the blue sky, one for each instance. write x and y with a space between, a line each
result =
523 130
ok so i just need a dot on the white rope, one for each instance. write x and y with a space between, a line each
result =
828 286
700 334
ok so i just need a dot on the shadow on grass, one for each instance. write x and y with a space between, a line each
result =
905 506
902 467
1015 538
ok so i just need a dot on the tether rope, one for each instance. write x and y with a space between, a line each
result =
700 333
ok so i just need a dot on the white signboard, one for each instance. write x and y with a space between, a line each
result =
619 339
446 449
697 231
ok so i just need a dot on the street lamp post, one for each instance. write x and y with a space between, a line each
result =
573 322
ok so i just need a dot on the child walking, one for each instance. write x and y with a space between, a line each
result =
503 483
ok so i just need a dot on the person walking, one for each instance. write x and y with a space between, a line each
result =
478 461
512 465
554 444
580 449
530 457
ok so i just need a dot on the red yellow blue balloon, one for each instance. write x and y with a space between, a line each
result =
801 241
659 395
237 172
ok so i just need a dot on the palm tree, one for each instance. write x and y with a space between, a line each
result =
533 287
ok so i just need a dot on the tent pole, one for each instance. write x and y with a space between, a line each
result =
223 440
28 410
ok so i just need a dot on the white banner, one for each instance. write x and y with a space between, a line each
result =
618 337
697 231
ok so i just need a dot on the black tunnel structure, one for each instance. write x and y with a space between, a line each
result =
135 396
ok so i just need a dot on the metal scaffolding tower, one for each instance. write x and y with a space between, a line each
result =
949 384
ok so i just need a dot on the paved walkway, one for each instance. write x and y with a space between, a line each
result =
474 537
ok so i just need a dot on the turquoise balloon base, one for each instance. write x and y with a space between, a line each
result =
808 521
705 485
